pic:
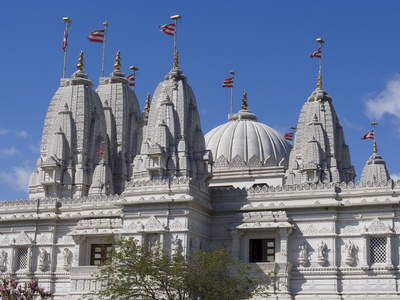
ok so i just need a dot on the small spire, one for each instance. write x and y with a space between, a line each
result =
80 66
176 59
375 147
147 107
244 101
117 65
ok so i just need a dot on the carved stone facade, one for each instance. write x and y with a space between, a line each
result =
108 171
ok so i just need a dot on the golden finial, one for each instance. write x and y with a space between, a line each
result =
147 107
319 80
320 41
67 20
117 65
244 101
133 68
80 66
105 24
375 147
176 60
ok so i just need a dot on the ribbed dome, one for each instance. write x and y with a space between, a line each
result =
245 142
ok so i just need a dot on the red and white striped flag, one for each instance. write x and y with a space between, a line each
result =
228 83
288 136
100 151
317 53
64 43
168 29
131 79
369 135
97 36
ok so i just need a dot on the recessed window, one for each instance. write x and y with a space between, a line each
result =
262 250
378 250
22 258
99 253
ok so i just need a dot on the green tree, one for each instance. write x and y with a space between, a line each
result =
137 272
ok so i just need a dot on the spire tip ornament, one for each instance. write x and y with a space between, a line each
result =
117 64
147 107
80 66
244 101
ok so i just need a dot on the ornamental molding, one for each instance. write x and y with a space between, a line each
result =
153 225
312 230
377 227
176 225
22 239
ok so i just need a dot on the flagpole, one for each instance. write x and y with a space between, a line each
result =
232 76
134 69
319 81
104 48
374 124
67 21
176 61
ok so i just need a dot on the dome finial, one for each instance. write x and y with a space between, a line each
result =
117 64
375 147
244 101
176 59
147 107
80 66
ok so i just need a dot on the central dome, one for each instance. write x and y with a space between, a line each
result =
243 146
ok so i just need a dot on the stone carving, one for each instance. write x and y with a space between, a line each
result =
153 225
42 259
67 254
350 249
3 260
22 239
192 245
176 225
303 255
377 226
322 251
176 245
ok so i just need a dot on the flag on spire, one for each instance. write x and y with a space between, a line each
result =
288 136
100 151
168 29
131 79
65 43
97 36
228 82
317 53
369 135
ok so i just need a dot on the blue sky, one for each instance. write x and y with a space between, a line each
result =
266 43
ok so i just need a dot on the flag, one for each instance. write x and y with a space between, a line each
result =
100 151
288 136
369 135
228 83
64 43
317 53
97 36
168 29
131 79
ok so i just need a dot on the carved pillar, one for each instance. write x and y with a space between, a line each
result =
77 250
284 246
389 262
236 235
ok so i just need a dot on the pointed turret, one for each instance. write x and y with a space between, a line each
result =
123 121
173 144
320 153
73 130
375 168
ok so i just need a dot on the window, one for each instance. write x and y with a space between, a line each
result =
378 250
98 253
262 250
22 258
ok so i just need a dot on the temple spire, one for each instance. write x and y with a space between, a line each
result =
176 55
318 54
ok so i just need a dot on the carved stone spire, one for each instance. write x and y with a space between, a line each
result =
320 153
375 168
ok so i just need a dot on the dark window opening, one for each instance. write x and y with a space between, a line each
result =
262 250
98 253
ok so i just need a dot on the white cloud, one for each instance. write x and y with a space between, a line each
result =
387 101
395 177
21 133
8 152
17 178
3 131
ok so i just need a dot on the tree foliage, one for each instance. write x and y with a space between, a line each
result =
12 289
137 272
